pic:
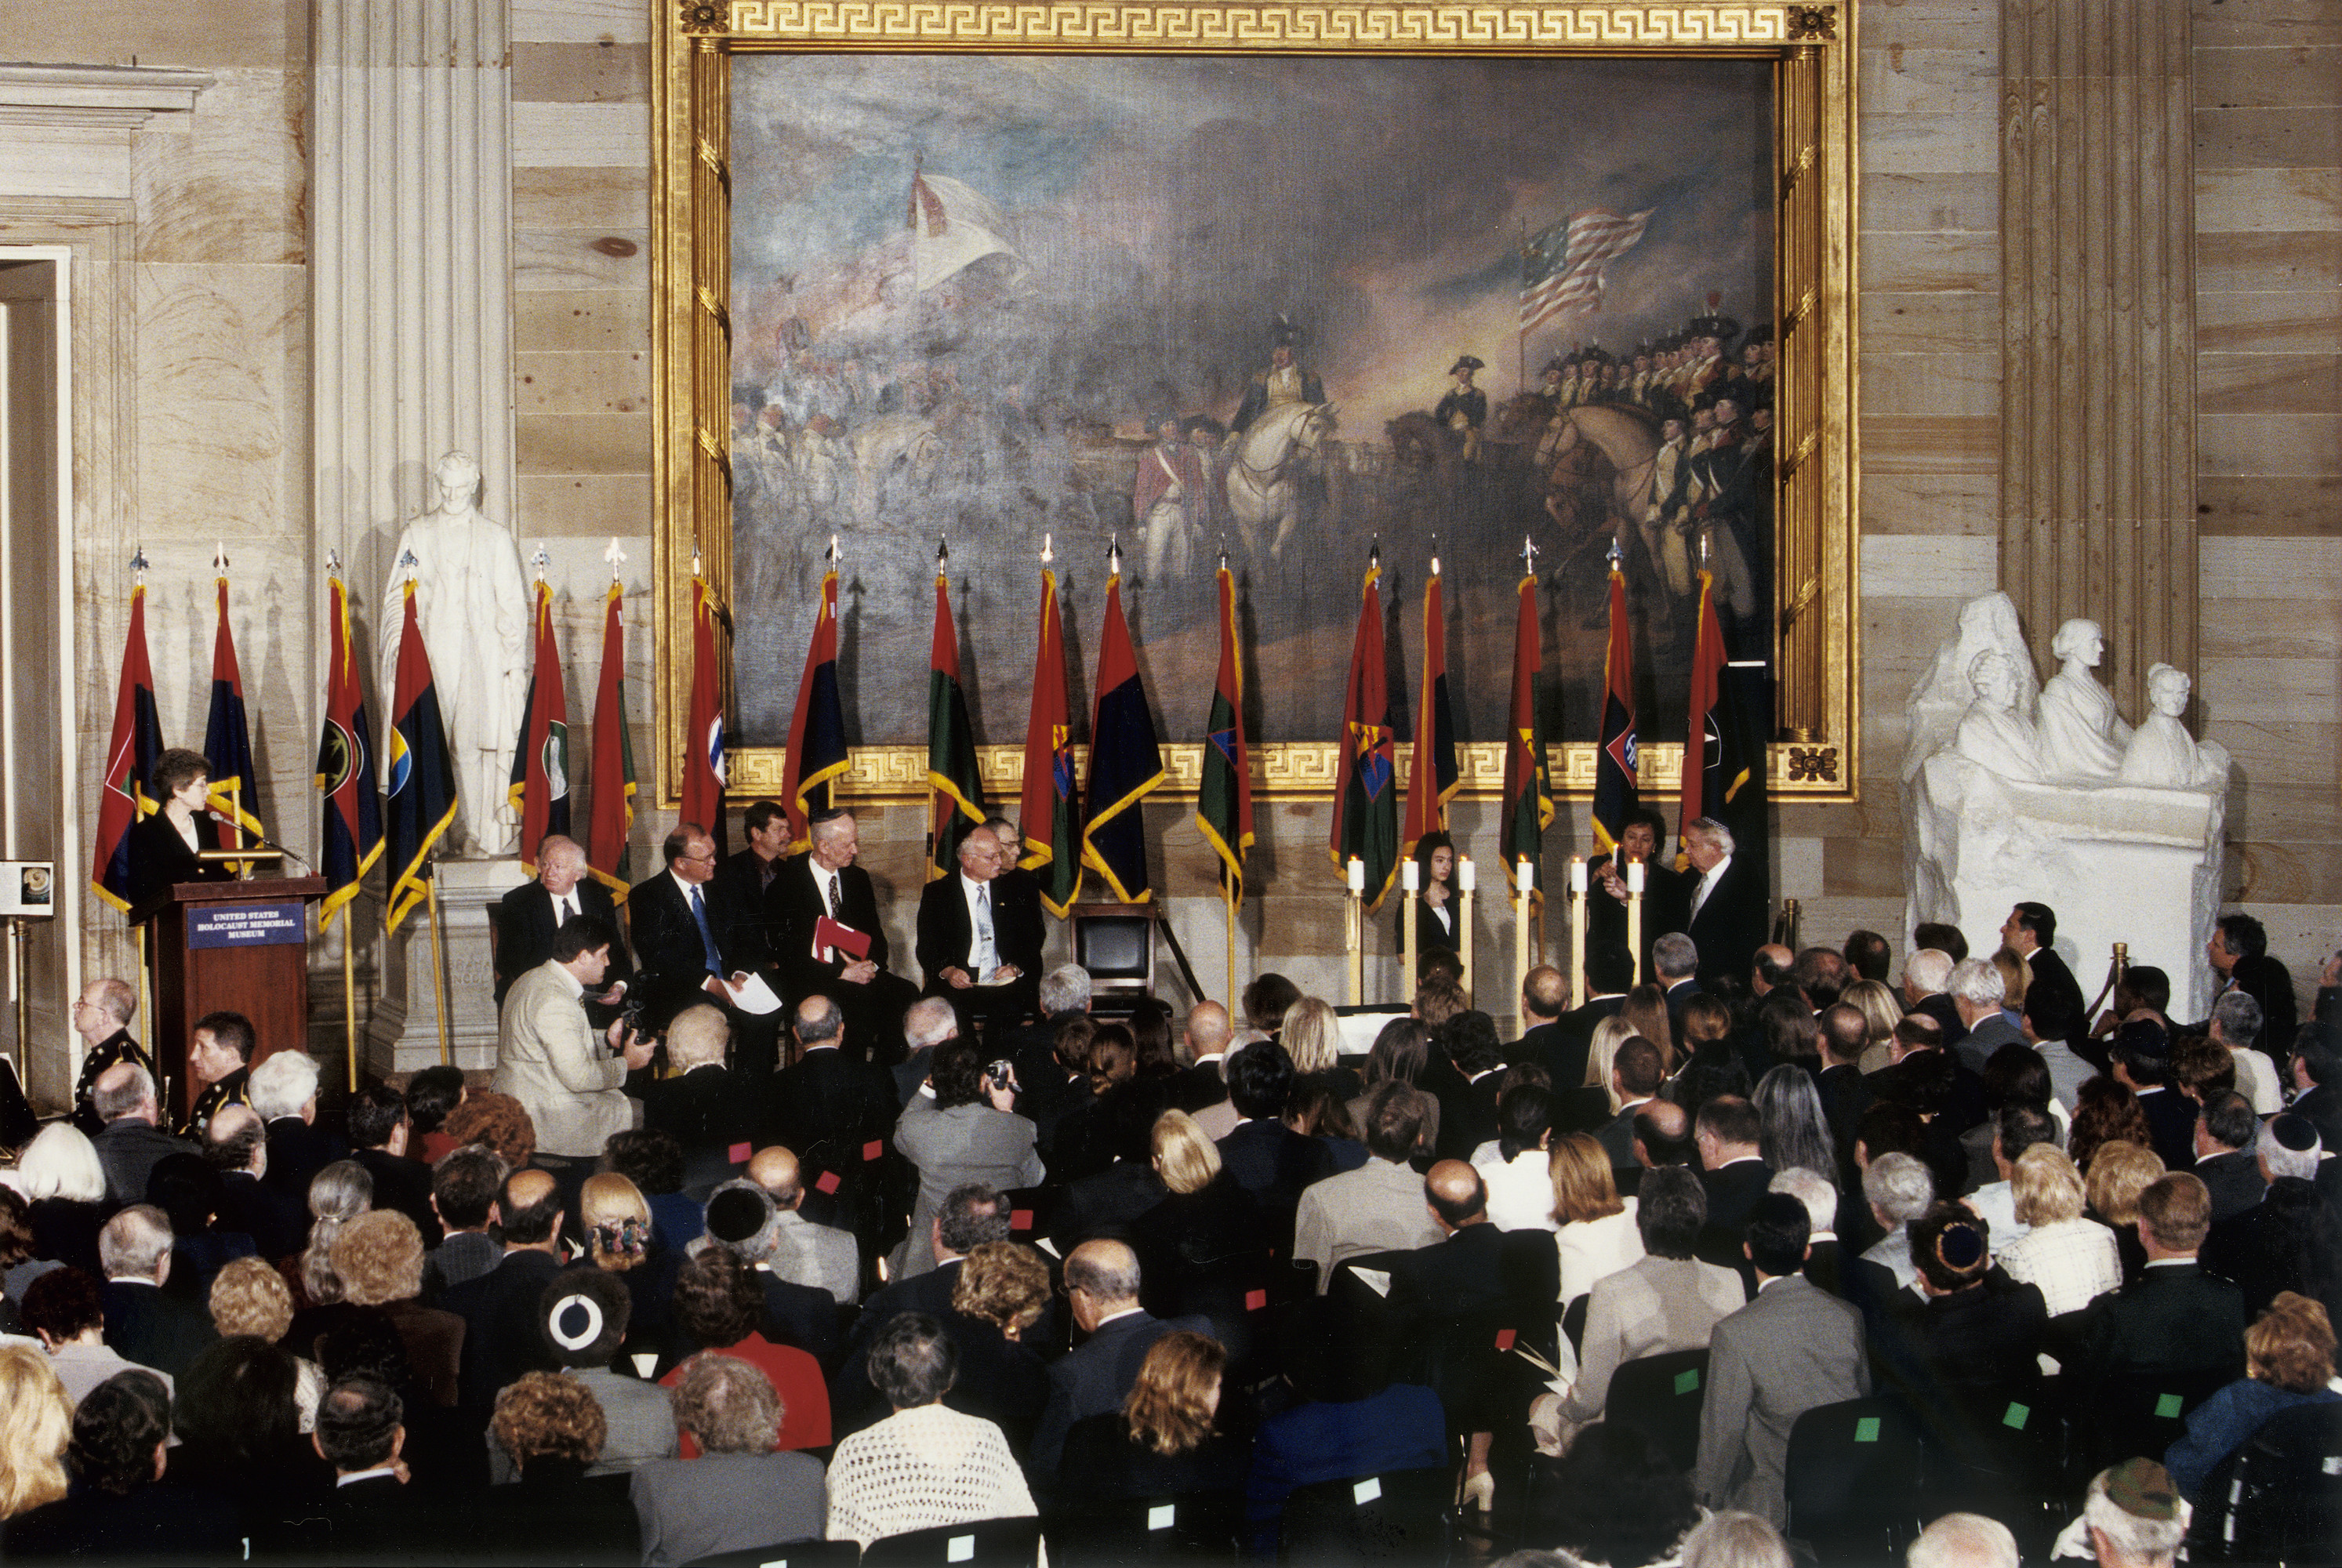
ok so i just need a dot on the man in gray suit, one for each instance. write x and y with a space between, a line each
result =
1102 1287
548 1059
1978 991
805 1254
959 1127
1793 1348
1378 1207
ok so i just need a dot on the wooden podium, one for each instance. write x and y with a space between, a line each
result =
238 947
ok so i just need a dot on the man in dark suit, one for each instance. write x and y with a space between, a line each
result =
829 1103
1727 908
743 879
709 1110
1674 962
2287 1242
1264 1156
1636 1072
1102 1286
1467 1113
1976 991
1203 1046
969 1216
1929 1079
2175 1320
129 1144
1545 997
1845 1036
285 1094
1609 974
1464 1271
499 1308
144 1322
823 883
2141 1059
1728 1133
236 1146
694 943
2240 962
2031 932
528 915
2316 1074
379 1131
372 1513
979 940
1927 975
2225 1159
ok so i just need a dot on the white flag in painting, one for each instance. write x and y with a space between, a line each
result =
951 229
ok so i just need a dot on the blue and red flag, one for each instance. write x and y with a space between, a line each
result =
1366 797
130 755
1125 760
422 777
227 739
954 784
817 729
1051 810
1615 757
613 814
352 840
1528 783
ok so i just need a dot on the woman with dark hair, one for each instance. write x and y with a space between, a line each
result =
1401 1054
555 1430
1646 1008
165 848
926 1464
239 1428
18 1265
652 1161
1791 1034
717 1306
1150 1036
2105 1112
2015 1074
1319 1109
1265 1000
116 1506
1794 1132
431 1096
1517 1172
1616 1500
1165 1439
1438 906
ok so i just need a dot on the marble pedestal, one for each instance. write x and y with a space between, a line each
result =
404 1034
2118 862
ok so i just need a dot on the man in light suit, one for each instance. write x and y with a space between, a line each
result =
528 915
1102 1286
1793 1348
546 1054
1378 1207
979 941
959 1127
805 1254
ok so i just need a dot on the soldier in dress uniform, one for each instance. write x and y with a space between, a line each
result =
219 1058
1663 520
1465 409
101 1016
1549 385
1284 381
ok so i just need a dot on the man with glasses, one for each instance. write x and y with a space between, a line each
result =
823 885
693 941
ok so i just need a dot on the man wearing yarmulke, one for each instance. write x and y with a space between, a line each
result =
2132 1518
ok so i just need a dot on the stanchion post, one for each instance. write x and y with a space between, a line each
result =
1467 882
1523 882
438 970
1353 928
349 1002
1577 931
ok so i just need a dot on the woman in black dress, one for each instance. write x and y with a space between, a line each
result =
1435 904
164 847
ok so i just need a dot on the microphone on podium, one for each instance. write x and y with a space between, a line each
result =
224 819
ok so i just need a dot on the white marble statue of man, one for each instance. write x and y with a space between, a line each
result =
2081 736
472 604
1992 733
2162 753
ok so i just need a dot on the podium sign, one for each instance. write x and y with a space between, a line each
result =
234 946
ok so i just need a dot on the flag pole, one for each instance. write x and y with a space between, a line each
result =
349 1003
1468 881
438 969
1228 908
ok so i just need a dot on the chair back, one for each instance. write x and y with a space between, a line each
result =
1399 1516
1186 1527
1660 1396
1853 1480
795 1554
2279 1498
984 1543
2147 1414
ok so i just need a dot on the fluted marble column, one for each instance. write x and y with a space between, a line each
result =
2097 272
411 268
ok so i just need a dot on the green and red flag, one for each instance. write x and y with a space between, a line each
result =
1366 803
1052 812
954 786
1126 758
539 789
421 797
817 751
1615 758
612 819
703 743
1432 776
125 794
1224 797
1528 784
1704 784
352 838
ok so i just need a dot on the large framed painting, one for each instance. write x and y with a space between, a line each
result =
1290 284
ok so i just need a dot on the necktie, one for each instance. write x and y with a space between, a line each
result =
987 958
836 905
1700 896
568 913
706 936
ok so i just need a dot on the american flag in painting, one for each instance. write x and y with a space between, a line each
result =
1561 268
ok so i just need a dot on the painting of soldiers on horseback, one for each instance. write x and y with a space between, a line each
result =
1282 310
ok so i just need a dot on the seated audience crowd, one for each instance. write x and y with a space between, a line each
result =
1720 1268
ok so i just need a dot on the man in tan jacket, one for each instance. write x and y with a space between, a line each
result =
548 1059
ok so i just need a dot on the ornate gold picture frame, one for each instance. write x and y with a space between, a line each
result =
1810 51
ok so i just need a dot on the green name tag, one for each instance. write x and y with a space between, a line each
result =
1866 1430
1687 1380
2167 1406
2017 1415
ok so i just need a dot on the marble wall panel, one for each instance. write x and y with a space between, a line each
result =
572 259
1902 26
2268 383
603 72
2258 200
2273 443
566 198
573 135
260 35
1967 504
2295 628
1925 444
2291 136
581 320
584 444
2295 321
2258 77
1903 322
1929 203
1896 80
2270 569
1925 262
582 383
587 505
580 21
1930 144
2291 258
1953 385
1928 567
230 187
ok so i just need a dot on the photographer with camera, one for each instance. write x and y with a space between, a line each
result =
572 1084
960 1127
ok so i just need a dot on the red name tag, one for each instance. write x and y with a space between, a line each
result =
875 1149
1255 1300
740 1153
1020 1219
828 1182
1504 1338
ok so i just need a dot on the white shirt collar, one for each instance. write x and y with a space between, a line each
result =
1117 1317
365 1474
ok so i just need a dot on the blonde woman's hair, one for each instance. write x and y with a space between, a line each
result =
1608 1035
36 1421
1583 1188
2120 1171
1877 1004
1184 1157
1312 1036
616 1221
2014 976
1004 1284
378 1257
339 1193
1646 1008
249 1296
2047 1186
2291 1344
61 1163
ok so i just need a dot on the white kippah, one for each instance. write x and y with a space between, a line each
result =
593 1330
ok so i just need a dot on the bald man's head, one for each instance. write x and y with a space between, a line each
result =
1209 1030
1454 1193
1101 1280
775 1171
125 1089
235 1139
1663 1133
1544 992
529 1209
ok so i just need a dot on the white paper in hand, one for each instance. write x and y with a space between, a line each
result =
1375 1280
753 995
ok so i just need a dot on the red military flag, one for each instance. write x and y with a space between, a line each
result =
955 787
1432 776
1052 812
1703 747
611 822
1224 797
1615 760
1365 806
130 754
227 739
539 790
1125 759
1528 785
817 752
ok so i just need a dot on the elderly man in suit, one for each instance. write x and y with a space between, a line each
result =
284 1095
528 915
696 942
1102 1286
1792 1348
1725 909
1378 1207
805 1254
546 1054
130 1142
143 1321
2175 1319
823 883
979 942
101 1016
1977 991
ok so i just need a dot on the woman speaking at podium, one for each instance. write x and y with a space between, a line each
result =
163 848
